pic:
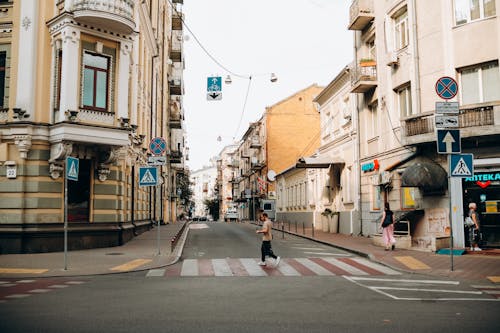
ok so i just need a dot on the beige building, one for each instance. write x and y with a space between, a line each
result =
402 49
94 81
287 130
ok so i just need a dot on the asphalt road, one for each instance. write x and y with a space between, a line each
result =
144 302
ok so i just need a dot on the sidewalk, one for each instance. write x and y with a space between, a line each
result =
141 253
481 266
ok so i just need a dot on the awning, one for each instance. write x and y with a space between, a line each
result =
318 162
429 176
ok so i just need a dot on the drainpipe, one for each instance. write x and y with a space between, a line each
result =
358 145
416 66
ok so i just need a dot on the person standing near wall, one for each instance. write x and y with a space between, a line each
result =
474 230
387 226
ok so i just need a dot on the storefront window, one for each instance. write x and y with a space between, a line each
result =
408 197
376 198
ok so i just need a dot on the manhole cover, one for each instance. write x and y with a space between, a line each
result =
114 254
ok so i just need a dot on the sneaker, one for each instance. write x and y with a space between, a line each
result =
262 263
477 249
277 261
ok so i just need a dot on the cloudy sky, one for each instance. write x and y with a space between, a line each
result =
302 41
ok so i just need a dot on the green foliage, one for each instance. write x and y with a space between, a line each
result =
212 205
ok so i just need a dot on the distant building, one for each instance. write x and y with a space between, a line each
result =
203 182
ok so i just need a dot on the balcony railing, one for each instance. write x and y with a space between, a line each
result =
361 13
363 78
175 120
177 20
255 143
418 126
480 116
117 15
175 156
176 46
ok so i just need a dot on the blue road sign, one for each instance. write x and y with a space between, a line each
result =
448 141
72 168
461 165
148 176
214 83
446 87
157 146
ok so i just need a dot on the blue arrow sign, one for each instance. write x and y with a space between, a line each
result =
72 168
148 176
448 142
214 83
461 165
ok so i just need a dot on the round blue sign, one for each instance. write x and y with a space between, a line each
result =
446 87
157 146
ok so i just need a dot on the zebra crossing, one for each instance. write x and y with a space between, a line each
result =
288 267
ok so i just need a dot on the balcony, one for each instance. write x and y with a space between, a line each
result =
115 15
257 165
175 86
361 13
364 77
175 120
177 20
176 46
175 156
233 163
255 143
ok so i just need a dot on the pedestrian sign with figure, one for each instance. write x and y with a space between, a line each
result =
148 176
461 165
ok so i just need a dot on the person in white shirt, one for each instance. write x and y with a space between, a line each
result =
267 236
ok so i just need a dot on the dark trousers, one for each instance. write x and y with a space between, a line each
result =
266 250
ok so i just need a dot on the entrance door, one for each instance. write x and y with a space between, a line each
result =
79 194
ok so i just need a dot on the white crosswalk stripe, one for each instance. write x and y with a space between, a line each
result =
287 267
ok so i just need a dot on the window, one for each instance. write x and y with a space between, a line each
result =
404 101
376 198
401 31
480 83
471 10
408 197
95 81
372 121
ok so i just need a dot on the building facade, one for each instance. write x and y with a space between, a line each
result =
95 82
402 48
204 183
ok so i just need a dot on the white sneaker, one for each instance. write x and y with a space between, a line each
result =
277 261
477 249
262 263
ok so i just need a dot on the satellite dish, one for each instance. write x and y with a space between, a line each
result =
271 175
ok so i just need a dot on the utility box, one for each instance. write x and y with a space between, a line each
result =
269 206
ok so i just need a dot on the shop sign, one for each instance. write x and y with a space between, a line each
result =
367 167
484 180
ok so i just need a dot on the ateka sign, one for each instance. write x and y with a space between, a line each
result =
484 180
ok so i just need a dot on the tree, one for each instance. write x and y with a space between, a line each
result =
212 205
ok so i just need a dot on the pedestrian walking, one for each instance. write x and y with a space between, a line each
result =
387 225
474 230
267 236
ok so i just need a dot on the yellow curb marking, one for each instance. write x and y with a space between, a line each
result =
495 279
412 263
131 265
22 271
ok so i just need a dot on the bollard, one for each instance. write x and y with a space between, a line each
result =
312 230
283 230
295 227
303 228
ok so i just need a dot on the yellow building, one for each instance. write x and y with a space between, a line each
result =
95 82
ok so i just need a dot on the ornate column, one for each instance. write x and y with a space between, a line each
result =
58 153
69 71
26 69
123 80
23 143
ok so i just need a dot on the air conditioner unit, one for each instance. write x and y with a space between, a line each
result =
392 59
375 179
385 177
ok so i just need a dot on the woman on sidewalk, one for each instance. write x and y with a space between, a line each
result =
474 230
387 226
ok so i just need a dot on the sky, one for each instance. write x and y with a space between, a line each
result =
302 41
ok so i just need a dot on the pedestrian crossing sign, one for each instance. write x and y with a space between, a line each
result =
461 165
148 176
72 166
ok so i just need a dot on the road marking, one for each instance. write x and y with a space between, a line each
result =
378 267
221 267
412 263
189 267
495 279
287 270
198 226
362 278
131 265
329 254
348 268
14 296
319 270
155 272
39 291
252 268
22 271
432 290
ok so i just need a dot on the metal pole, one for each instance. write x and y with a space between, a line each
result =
66 215
158 238
450 213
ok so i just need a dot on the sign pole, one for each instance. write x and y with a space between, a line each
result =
158 219
450 213
66 216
